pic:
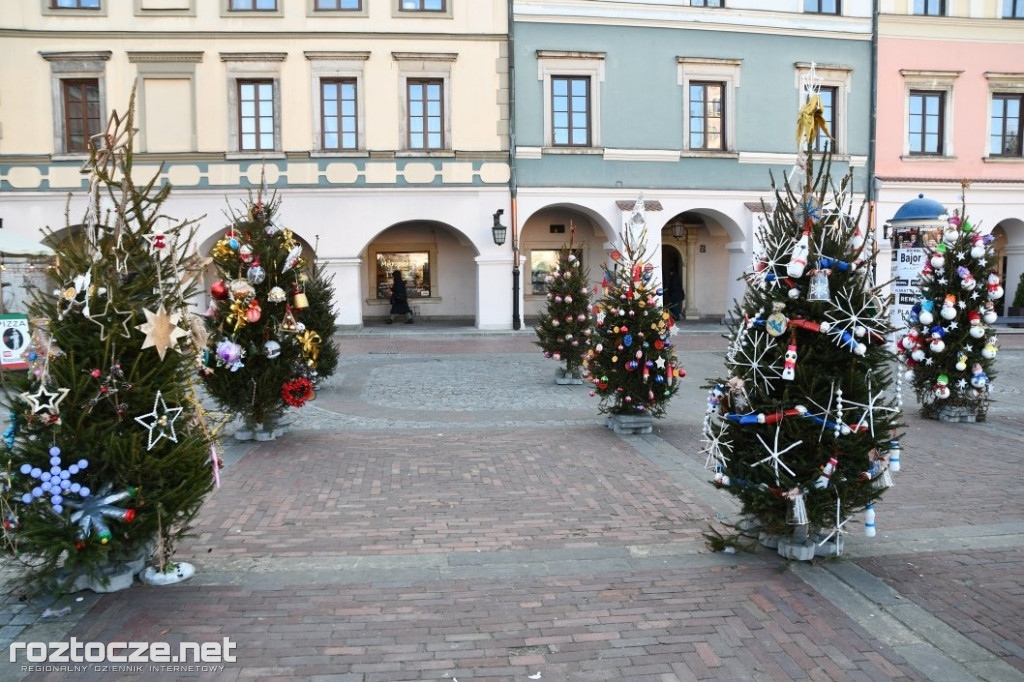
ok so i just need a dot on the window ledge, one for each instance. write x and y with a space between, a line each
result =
239 156
572 150
925 158
1002 159
332 154
77 156
707 154
429 153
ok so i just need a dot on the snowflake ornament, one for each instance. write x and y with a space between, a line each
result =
55 482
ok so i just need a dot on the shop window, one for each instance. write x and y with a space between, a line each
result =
542 263
415 267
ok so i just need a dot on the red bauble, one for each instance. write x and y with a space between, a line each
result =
129 515
219 290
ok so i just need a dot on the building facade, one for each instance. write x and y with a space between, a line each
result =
690 104
394 131
950 102
382 126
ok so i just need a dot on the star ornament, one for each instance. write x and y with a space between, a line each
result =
160 422
161 330
44 399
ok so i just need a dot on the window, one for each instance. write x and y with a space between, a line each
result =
542 263
709 85
572 96
422 5
253 5
828 107
330 5
822 6
706 3
339 121
255 115
932 8
415 269
81 114
76 4
1013 9
570 111
1005 130
425 113
926 122
707 111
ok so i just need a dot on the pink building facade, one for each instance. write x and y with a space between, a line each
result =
950 104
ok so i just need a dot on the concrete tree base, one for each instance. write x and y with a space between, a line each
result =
563 378
629 424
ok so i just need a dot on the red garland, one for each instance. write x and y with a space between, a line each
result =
297 391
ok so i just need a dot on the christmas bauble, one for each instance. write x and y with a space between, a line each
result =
253 313
242 289
229 352
272 349
276 295
245 253
219 290
256 274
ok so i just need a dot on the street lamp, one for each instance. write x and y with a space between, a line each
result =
498 231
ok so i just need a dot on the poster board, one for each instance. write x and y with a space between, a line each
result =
14 339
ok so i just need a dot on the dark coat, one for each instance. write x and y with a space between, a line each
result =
399 297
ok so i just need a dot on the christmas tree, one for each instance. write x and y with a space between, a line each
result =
801 429
269 340
950 348
632 365
110 454
564 328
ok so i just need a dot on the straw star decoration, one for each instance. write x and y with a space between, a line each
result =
160 422
161 330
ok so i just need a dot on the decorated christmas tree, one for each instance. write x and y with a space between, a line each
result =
801 429
110 454
632 364
950 347
269 341
563 330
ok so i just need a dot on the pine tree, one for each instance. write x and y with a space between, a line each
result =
632 365
110 452
949 351
266 334
564 329
800 429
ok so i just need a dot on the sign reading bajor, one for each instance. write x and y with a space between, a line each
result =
906 271
14 338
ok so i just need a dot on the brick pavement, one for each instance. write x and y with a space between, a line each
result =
501 533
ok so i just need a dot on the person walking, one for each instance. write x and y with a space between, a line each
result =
399 298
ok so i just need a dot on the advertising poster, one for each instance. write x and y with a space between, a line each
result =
906 269
14 338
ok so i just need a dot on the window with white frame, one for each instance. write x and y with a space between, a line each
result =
425 100
709 96
337 8
338 112
72 8
254 101
78 91
929 107
822 7
1006 115
834 83
572 94
251 8
930 8
707 3
424 9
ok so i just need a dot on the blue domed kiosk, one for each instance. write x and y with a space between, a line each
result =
915 226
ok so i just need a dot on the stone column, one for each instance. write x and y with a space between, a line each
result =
690 311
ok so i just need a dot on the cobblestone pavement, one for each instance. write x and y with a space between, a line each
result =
444 511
